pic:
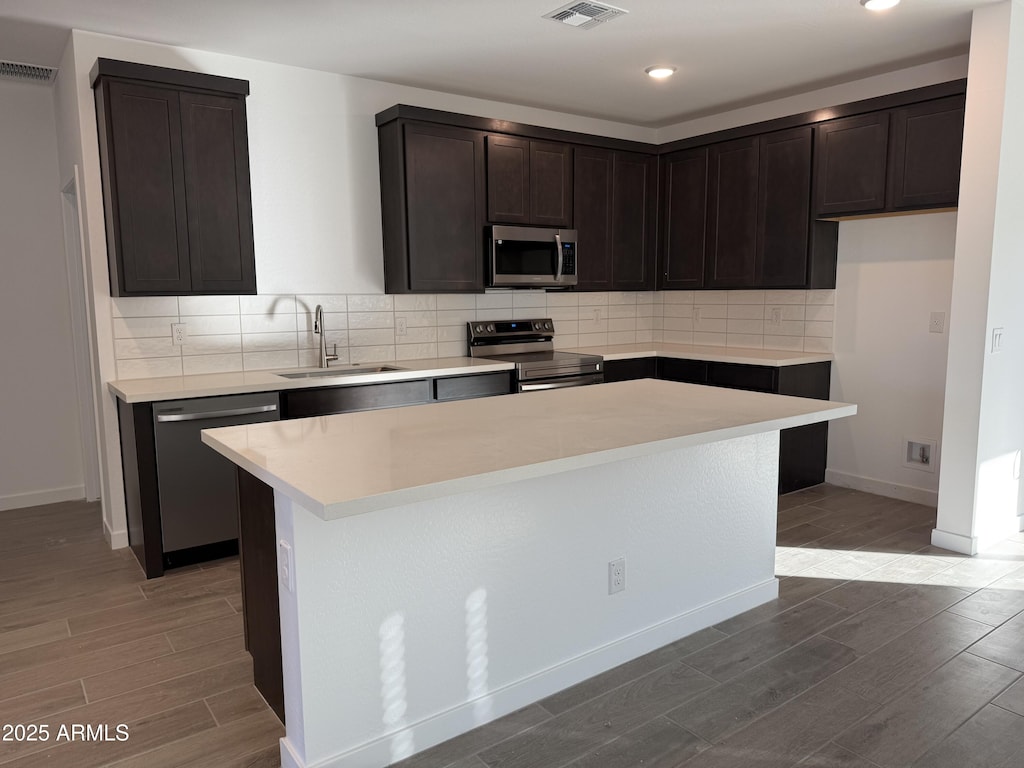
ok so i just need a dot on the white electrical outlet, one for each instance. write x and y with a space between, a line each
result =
401 326
937 322
597 313
775 319
179 334
286 565
616 575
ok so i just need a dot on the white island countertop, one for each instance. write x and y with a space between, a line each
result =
774 358
350 464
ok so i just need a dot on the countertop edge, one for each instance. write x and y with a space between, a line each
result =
122 389
333 511
738 355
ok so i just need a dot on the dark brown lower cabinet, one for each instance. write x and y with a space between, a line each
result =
802 450
257 533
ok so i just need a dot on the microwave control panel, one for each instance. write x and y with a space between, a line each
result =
568 258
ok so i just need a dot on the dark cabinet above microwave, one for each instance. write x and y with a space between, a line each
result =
528 182
174 159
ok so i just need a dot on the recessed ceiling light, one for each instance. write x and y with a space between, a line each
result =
660 72
879 5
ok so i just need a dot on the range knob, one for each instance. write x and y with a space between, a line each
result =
478 328
538 325
490 327
549 326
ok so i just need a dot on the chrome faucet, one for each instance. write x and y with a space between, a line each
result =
318 327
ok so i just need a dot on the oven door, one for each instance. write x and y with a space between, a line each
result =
530 257
562 382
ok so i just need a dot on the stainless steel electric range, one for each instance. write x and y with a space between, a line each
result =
530 345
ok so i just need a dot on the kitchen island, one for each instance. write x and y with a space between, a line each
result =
443 565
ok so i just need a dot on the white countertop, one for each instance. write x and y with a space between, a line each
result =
349 464
211 384
770 357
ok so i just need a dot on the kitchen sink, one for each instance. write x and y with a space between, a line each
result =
320 372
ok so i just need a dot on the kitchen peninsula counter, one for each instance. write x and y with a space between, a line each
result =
439 566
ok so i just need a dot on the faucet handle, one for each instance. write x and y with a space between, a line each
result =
334 354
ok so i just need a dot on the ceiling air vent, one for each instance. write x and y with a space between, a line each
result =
12 70
585 15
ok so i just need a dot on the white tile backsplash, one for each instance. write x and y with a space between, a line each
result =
234 333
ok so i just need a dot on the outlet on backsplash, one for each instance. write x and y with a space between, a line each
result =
597 313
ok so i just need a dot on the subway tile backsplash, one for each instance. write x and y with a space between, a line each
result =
236 333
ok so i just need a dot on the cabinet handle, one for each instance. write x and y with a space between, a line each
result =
164 417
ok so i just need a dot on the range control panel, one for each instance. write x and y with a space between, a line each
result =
499 331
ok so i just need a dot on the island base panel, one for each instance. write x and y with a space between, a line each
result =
410 625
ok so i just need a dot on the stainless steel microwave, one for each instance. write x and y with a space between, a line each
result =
531 257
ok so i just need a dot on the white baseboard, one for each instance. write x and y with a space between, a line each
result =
38 498
446 725
116 539
883 488
965 545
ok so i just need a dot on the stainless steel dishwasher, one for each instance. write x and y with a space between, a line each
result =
196 485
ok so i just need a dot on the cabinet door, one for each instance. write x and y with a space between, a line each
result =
684 195
444 185
508 180
628 370
216 155
924 165
849 160
550 184
634 201
732 215
592 212
145 193
686 371
784 208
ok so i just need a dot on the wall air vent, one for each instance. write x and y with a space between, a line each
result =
585 15
12 70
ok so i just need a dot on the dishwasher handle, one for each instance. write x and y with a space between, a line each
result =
198 416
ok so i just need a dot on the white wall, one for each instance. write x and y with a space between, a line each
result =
980 498
40 454
856 90
892 274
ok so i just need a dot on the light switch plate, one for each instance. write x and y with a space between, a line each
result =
937 322
286 565
997 339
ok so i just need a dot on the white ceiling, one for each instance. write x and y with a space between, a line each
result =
729 52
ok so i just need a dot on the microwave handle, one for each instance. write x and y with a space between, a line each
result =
558 245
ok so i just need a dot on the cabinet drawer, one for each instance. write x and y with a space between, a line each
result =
686 371
757 378
320 402
475 385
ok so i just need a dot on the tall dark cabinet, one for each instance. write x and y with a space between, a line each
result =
614 212
683 224
175 164
732 214
433 206
783 208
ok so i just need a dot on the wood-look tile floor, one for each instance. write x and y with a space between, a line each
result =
85 639
881 651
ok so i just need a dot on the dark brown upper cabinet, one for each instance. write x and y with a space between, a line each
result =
433 206
684 206
730 259
615 215
784 208
850 165
175 164
924 159
528 182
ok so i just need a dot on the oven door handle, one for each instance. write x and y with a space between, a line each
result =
560 384
558 245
